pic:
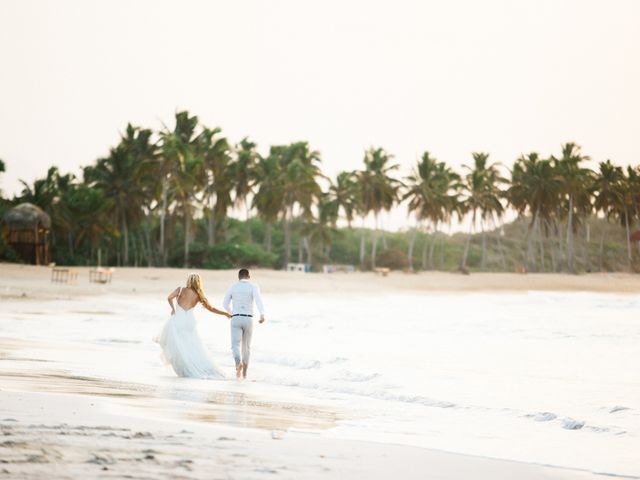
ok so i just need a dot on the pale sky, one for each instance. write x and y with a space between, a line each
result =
452 77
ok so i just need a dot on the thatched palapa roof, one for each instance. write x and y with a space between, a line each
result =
26 216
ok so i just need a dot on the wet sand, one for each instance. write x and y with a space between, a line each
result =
55 435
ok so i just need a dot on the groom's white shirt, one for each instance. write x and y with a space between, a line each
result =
242 295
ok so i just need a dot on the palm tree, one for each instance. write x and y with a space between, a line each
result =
483 196
421 193
300 188
2 170
269 198
120 176
378 189
46 193
140 145
244 176
576 191
179 153
534 188
43 191
609 185
343 195
431 194
627 208
320 230
87 209
425 193
216 154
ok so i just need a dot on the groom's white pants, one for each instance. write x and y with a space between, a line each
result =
241 330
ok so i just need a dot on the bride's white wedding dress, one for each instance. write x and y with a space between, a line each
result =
182 347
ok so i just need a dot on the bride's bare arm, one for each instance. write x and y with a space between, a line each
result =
170 298
206 305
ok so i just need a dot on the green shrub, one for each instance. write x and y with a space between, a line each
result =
392 258
234 255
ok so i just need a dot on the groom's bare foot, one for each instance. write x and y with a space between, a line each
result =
239 370
244 370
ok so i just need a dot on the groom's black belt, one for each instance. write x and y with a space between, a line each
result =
241 315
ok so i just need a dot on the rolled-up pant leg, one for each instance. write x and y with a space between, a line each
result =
236 338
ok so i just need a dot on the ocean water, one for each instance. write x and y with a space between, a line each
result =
543 377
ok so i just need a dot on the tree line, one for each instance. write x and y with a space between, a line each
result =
163 199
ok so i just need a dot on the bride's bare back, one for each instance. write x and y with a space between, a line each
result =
187 298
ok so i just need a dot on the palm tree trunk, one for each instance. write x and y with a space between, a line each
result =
524 242
498 231
412 242
552 246
362 245
463 264
136 253
570 236
503 260
432 248
585 251
307 245
602 237
247 209
225 227
151 260
529 261
125 232
626 224
374 244
483 264
300 239
384 239
70 243
211 229
425 247
443 245
186 234
163 216
541 244
561 254
287 238
268 235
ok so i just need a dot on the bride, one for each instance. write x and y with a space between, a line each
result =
181 345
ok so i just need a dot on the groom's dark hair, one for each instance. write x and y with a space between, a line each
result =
243 273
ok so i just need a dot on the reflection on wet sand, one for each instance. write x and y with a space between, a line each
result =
180 400
63 382
240 409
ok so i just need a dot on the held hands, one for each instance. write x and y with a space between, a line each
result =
228 315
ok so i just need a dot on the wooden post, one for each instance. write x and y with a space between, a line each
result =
36 247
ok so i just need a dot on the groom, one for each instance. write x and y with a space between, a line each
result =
242 294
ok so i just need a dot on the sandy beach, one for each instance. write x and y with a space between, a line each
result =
25 280
78 406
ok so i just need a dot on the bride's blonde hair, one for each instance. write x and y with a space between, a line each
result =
194 282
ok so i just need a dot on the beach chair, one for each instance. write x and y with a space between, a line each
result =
382 271
100 275
64 275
